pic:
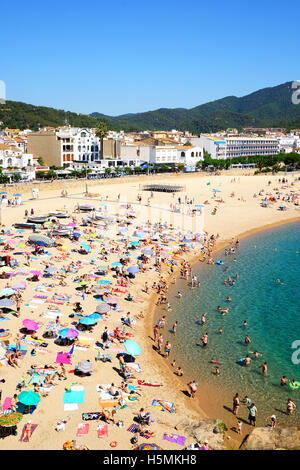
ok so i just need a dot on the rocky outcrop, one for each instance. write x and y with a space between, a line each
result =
283 437
200 430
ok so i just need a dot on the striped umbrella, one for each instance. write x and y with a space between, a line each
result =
4 335
102 308
146 446
84 366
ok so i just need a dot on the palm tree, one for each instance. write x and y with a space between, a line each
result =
101 133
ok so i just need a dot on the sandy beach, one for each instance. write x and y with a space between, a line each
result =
237 214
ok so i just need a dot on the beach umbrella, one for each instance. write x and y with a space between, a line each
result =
50 269
71 224
146 446
3 192
147 251
216 190
30 324
29 398
36 273
4 335
116 264
132 348
7 291
84 366
186 240
17 194
87 321
76 234
86 247
10 419
199 205
21 285
6 303
94 316
35 238
133 269
134 243
102 268
68 333
102 308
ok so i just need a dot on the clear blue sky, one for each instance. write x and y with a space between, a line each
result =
126 56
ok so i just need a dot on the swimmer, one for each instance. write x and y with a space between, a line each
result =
264 368
255 353
280 282
220 331
247 339
228 298
203 319
179 295
283 380
245 323
217 371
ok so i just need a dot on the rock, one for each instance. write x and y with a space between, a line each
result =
200 430
284 437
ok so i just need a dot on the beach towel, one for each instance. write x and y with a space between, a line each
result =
163 402
175 438
63 358
90 416
82 429
133 428
102 430
6 404
108 403
70 406
134 366
23 437
74 397
140 382
77 388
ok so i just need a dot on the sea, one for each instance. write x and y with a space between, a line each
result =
271 310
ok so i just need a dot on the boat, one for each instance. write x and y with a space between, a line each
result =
38 220
27 225
59 215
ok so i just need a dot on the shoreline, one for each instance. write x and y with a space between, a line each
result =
200 405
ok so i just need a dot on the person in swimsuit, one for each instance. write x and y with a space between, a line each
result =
236 404
290 406
192 388
28 430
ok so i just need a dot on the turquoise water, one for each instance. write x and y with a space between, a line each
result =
272 312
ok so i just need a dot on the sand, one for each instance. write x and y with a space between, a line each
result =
237 216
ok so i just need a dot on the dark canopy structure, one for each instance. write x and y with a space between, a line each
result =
166 188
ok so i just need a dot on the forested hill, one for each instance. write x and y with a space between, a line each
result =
268 107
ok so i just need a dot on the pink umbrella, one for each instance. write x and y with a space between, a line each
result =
71 224
36 273
30 325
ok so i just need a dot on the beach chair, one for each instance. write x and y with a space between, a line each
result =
103 357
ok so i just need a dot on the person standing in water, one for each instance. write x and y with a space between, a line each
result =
264 368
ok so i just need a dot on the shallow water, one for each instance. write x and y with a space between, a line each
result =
272 312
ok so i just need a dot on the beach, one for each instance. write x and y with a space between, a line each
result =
236 216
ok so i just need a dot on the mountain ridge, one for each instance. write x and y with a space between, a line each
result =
267 107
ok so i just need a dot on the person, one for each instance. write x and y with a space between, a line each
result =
204 340
290 406
236 404
205 445
283 380
247 339
252 414
167 349
174 327
14 402
28 430
273 421
220 330
179 372
192 388
264 368
239 427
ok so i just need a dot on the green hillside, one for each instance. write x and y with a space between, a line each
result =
268 107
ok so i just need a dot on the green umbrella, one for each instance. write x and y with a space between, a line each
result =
29 398
10 419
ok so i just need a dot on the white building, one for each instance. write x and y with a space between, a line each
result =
229 147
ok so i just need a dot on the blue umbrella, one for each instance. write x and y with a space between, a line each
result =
216 190
6 291
199 205
87 321
17 194
116 264
133 269
68 333
76 234
134 243
187 240
132 348
94 316
6 303
86 247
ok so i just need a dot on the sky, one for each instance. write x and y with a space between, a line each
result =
127 56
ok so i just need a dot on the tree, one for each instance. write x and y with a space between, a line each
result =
41 161
101 133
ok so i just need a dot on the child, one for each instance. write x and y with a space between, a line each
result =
239 427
